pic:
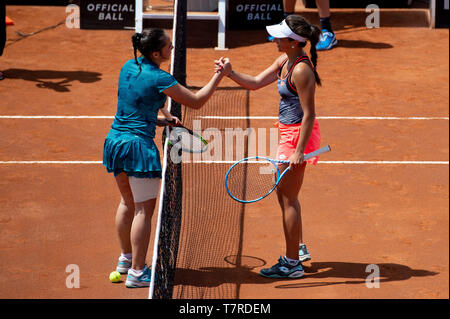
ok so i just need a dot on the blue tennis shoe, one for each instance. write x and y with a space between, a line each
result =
327 40
283 269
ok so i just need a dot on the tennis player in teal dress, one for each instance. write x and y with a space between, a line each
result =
129 150
129 146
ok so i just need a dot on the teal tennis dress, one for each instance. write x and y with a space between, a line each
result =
129 145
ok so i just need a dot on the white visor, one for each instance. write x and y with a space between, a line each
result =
282 30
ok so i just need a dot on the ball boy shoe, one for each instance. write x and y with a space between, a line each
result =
283 269
327 41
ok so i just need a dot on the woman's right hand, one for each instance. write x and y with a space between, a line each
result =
223 66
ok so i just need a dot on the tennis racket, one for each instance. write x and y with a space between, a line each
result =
184 138
254 178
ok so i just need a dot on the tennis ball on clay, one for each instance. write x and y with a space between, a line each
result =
114 276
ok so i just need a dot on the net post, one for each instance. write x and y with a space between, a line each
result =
432 14
139 12
222 9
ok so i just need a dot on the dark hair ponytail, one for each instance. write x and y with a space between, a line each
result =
302 27
147 42
314 39
136 39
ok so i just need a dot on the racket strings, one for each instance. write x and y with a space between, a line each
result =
249 181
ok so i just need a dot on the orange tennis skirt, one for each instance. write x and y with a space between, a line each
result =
289 137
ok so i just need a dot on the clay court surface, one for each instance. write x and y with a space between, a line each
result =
393 215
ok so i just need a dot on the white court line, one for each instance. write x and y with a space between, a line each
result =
388 162
344 162
54 117
230 117
234 117
232 162
51 162
325 118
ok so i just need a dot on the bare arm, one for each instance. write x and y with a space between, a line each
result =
166 113
169 119
263 79
303 78
193 100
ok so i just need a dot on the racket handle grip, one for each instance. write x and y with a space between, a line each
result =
309 155
162 122
318 152
173 123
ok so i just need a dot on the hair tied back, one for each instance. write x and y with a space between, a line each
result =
136 39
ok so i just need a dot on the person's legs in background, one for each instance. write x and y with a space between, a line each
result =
328 39
288 7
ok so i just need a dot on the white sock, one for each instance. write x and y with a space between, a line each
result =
127 256
292 262
135 272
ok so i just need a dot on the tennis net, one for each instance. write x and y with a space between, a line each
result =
198 239
210 247
170 208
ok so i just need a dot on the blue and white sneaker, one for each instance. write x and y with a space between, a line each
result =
283 270
123 265
327 40
138 279
303 253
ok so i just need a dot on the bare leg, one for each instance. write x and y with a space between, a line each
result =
325 24
125 213
133 223
287 192
140 232
323 7
289 5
